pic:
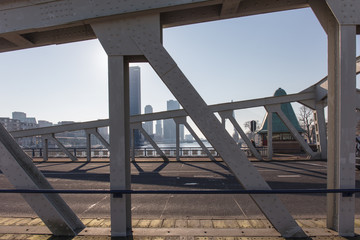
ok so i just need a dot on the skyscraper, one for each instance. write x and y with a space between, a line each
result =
159 130
149 126
170 126
135 98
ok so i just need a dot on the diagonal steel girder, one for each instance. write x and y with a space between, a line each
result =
22 173
141 35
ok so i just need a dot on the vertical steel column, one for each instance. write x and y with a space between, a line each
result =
88 145
270 135
45 146
183 121
152 142
120 177
61 146
320 130
229 115
101 138
341 125
292 129
144 34
177 125
132 140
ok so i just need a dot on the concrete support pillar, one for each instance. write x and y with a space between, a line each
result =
270 135
88 146
341 125
320 130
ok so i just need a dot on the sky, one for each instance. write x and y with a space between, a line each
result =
227 60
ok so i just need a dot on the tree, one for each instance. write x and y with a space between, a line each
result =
306 119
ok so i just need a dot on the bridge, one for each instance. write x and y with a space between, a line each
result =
130 31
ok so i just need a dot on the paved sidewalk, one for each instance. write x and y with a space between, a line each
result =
172 229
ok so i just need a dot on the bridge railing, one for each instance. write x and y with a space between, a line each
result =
147 152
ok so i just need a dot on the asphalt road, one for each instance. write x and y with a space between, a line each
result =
180 176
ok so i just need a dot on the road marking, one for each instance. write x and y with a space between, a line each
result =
239 207
313 164
288 176
167 201
191 184
93 205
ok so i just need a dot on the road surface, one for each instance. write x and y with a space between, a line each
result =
180 176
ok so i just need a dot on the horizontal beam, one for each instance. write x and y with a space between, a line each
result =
165 115
60 128
48 22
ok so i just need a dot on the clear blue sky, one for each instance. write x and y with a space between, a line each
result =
234 59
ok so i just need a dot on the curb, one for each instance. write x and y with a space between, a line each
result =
172 229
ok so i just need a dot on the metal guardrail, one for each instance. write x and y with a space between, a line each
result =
119 193
139 152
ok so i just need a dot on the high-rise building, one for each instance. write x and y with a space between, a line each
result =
170 126
135 98
43 123
159 130
149 126
19 116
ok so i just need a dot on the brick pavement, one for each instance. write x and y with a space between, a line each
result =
171 229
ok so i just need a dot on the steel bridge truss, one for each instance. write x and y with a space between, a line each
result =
132 31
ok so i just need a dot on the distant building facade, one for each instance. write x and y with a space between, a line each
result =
170 126
159 130
149 126
135 99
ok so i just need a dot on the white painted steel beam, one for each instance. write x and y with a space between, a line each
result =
132 143
22 173
45 147
277 109
229 7
177 136
41 23
118 45
341 125
61 146
119 116
196 137
151 141
229 115
168 114
60 128
269 117
88 145
346 11
201 114
95 132
320 130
